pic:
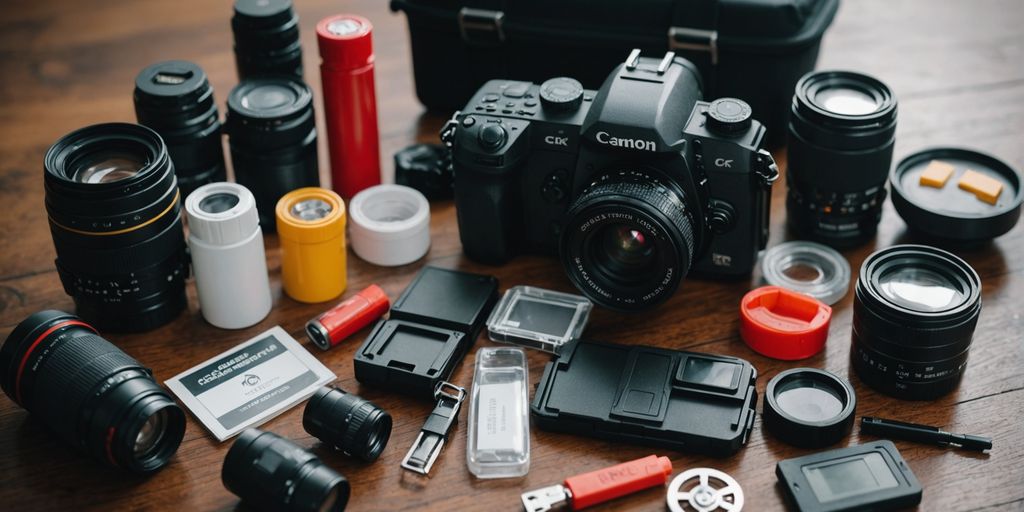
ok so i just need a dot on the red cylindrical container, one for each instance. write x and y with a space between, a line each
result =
350 102
345 319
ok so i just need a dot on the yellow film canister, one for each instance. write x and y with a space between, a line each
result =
311 227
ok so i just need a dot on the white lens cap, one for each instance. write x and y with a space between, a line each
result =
809 268
221 213
389 225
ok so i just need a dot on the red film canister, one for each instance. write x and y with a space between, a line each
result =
350 102
345 319
783 324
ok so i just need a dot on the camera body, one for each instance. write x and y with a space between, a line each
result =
671 182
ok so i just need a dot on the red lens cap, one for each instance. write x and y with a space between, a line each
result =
783 324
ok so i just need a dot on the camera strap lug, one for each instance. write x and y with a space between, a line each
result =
448 130
481 26
434 434
766 169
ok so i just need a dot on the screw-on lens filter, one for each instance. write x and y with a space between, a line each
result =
809 268
808 407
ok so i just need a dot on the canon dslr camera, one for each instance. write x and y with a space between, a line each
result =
632 185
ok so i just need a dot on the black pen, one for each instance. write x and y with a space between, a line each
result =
922 434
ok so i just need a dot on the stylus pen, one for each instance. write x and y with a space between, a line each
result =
922 434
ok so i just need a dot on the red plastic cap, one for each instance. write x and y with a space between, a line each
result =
615 481
783 324
346 41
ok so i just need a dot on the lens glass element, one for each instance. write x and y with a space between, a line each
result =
846 101
218 203
151 434
268 96
107 166
626 249
805 401
920 289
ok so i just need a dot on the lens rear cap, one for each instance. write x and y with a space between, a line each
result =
948 211
809 408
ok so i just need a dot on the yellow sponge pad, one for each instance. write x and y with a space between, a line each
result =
986 188
936 174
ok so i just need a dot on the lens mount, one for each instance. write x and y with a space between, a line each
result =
628 240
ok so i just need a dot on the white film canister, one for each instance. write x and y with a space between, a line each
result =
389 225
228 260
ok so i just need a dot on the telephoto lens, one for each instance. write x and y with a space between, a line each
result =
272 133
914 313
230 265
175 99
271 473
114 211
841 132
351 424
266 39
90 393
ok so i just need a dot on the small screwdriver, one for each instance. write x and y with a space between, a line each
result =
587 489
922 434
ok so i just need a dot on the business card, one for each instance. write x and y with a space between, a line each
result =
250 384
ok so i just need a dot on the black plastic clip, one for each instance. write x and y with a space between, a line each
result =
435 430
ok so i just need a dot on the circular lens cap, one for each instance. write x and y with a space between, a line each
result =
783 324
809 408
957 194
728 115
809 268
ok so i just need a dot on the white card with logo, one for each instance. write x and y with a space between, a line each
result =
250 384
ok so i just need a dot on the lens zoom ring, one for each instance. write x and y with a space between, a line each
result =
356 422
69 375
668 202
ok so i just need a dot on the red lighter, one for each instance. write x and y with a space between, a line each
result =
350 102
345 319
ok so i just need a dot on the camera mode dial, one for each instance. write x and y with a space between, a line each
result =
728 116
561 94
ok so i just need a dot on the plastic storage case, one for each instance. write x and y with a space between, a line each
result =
753 50
537 318
645 395
431 326
498 444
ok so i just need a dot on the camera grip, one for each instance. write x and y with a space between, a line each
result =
487 205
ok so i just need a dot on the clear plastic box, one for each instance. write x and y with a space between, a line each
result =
538 318
498 443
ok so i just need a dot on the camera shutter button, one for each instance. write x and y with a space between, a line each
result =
492 136
728 116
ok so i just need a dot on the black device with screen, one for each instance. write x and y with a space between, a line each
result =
646 395
870 476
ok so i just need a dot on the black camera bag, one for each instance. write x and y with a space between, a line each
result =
755 50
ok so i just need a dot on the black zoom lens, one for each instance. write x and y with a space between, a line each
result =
272 473
628 241
266 39
115 218
90 393
841 132
914 314
175 99
272 131
347 422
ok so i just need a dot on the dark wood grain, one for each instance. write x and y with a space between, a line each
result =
957 67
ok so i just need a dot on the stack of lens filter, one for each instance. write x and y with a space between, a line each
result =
914 315
175 99
114 210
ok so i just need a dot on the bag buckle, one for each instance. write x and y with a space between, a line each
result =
694 39
481 26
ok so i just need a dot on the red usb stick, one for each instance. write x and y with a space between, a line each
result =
588 489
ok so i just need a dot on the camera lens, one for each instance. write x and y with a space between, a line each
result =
628 240
272 134
90 393
841 133
272 473
351 424
175 99
113 206
914 315
266 39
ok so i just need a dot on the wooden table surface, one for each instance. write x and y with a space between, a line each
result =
956 67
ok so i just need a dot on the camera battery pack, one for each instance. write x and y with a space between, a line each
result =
645 395
430 328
